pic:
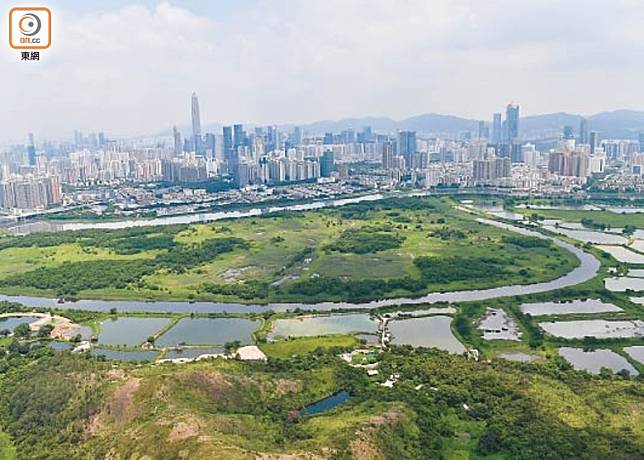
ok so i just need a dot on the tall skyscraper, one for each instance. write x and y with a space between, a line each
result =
641 139
229 148
497 128
327 163
594 141
387 155
296 137
568 133
196 124
407 146
176 135
512 120
238 135
31 150
583 131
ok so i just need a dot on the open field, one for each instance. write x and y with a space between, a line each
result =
364 251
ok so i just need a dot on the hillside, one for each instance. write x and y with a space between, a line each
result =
68 406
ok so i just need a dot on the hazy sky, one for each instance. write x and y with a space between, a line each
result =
129 67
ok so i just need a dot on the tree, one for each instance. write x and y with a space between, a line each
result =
22 330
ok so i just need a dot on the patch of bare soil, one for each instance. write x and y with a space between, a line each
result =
364 446
183 430
119 409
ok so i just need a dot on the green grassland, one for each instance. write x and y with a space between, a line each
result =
284 349
396 247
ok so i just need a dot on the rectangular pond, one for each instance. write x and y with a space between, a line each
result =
622 254
624 284
432 331
594 361
636 352
519 357
598 328
120 355
568 306
636 273
308 326
129 330
209 331
191 353
498 325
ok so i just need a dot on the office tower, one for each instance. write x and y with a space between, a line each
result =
583 131
512 120
101 139
367 134
210 145
328 138
238 135
516 153
296 137
327 163
641 141
568 133
496 128
484 132
196 124
271 138
229 148
176 135
387 155
407 146
594 141
31 150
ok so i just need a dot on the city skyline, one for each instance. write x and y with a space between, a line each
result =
296 62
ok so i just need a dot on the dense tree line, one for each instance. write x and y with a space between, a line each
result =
366 239
70 278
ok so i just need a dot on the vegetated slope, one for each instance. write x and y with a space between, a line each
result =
68 406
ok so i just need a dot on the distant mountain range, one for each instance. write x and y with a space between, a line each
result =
622 124
617 124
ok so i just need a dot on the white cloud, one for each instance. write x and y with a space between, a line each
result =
131 70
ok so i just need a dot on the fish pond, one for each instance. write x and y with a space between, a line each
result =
11 322
519 357
598 328
191 353
120 355
594 361
636 352
208 331
432 331
624 284
129 330
498 325
568 307
323 325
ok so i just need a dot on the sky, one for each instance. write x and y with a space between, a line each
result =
128 68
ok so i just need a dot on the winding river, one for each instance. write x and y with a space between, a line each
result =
586 270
